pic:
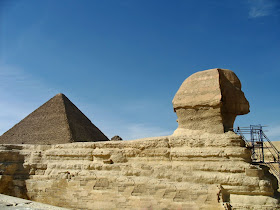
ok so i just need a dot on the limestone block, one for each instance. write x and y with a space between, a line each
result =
254 172
118 158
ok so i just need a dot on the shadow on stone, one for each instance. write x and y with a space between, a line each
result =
13 174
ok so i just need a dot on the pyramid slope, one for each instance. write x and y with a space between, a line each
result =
57 121
81 127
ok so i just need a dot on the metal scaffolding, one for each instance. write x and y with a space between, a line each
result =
263 150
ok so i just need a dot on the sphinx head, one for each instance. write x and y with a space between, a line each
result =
210 101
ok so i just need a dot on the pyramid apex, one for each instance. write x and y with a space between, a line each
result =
60 94
57 121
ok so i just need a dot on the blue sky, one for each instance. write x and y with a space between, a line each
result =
122 61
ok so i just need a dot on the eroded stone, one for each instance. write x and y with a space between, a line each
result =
209 101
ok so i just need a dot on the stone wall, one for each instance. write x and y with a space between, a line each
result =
197 171
202 165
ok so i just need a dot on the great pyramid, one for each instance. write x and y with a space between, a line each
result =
57 121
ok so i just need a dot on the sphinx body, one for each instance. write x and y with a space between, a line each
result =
202 165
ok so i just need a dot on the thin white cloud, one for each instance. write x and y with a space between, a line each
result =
262 8
14 78
21 93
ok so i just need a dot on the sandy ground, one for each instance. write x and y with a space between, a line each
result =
13 203
276 144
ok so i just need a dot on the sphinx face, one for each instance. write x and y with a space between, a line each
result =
233 99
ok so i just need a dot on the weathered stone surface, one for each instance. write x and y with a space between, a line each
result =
197 168
56 121
209 101
163 172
